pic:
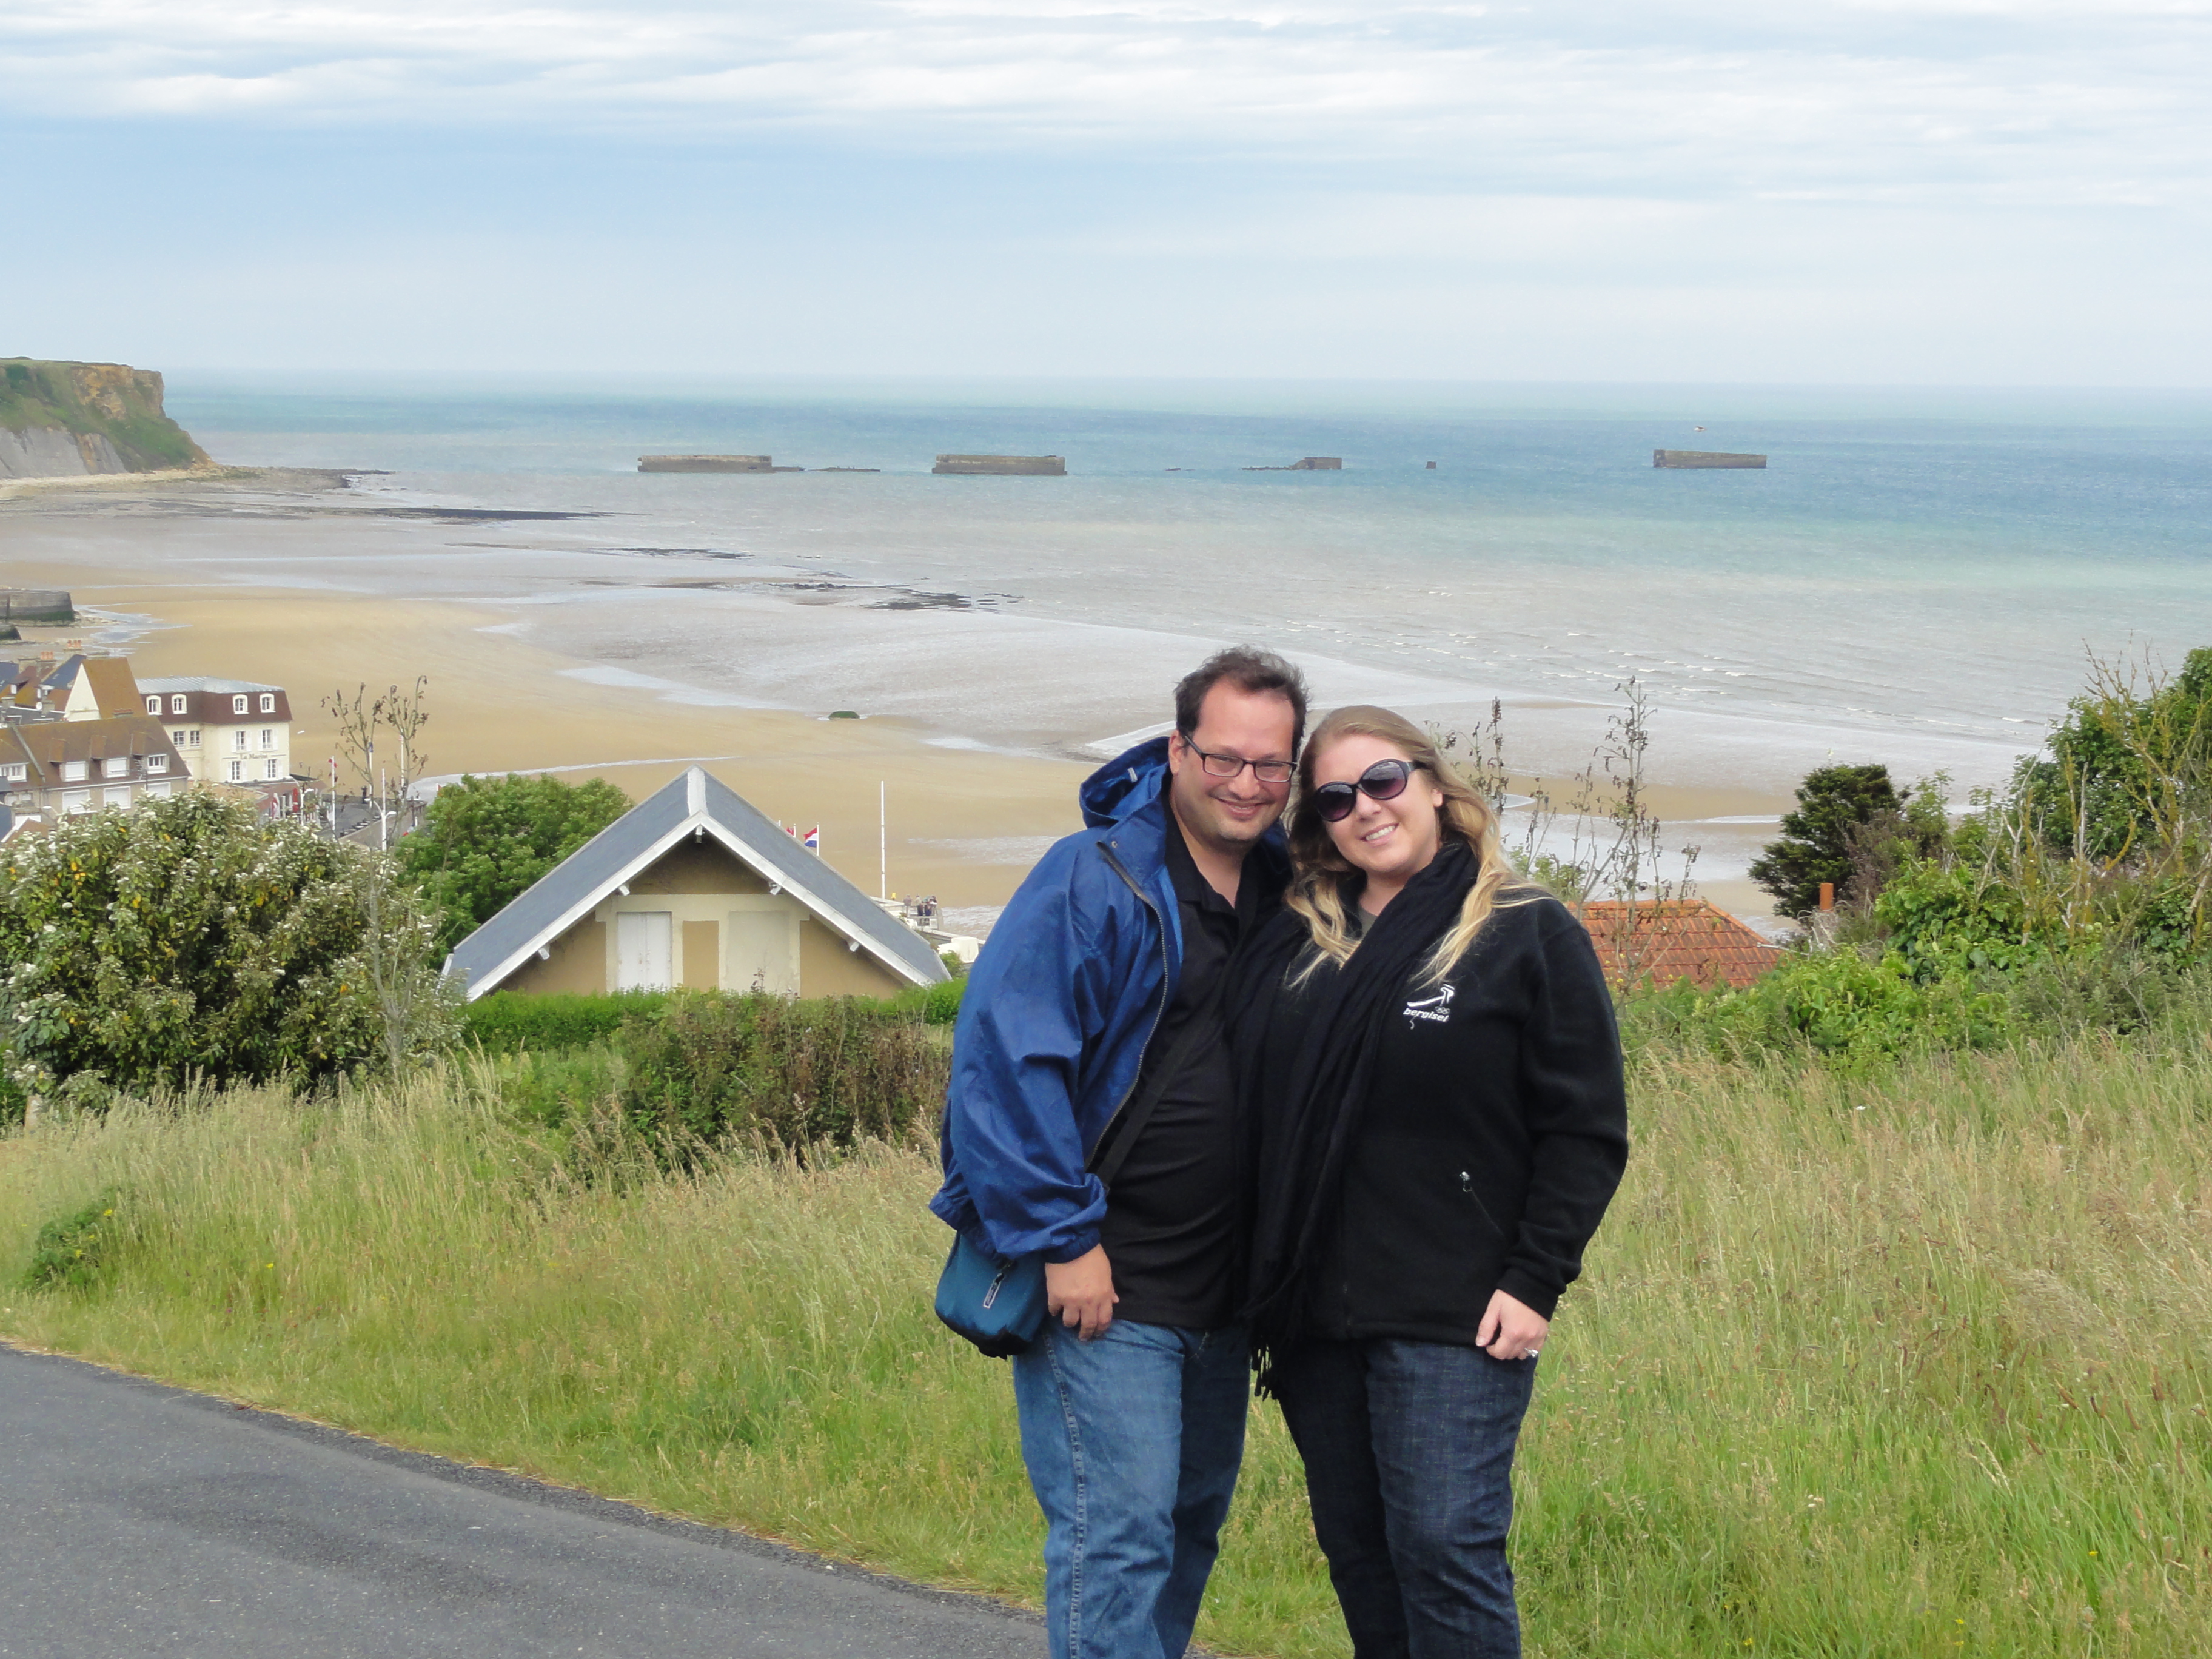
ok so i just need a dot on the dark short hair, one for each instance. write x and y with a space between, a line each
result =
1251 671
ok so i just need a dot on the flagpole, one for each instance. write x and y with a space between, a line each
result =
883 841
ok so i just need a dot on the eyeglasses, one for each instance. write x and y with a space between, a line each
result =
1228 766
1384 780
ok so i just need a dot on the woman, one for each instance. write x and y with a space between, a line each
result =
1426 1047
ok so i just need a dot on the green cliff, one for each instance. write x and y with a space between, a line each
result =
67 419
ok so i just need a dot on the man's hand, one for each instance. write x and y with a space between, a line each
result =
1080 1293
1510 1329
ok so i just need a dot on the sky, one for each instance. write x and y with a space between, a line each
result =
1982 192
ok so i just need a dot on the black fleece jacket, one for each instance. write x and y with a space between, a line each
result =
1494 1134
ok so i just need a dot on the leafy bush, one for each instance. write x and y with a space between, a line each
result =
69 1249
2123 762
2121 991
485 840
1942 920
184 938
559 1088
1848 1010
938 1005
516 1022
710 1067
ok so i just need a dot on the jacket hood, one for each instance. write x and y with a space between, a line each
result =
1134 778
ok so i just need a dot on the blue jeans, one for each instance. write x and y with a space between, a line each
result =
1408 1449
1133 1441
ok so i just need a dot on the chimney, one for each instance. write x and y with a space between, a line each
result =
1827 895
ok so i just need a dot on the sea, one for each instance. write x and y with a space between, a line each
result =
1917 577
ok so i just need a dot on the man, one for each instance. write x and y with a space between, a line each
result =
1097 992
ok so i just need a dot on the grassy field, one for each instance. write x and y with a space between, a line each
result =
1917 1365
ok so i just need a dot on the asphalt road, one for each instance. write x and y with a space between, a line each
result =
138 1519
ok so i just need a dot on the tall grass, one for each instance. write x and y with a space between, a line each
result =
1917 1365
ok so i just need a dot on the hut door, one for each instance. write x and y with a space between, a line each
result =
641 950
763 951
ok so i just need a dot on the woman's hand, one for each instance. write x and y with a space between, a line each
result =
1510 1329
1080 1293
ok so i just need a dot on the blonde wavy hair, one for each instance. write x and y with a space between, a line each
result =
1321 889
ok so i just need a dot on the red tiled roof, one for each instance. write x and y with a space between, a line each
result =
1676 939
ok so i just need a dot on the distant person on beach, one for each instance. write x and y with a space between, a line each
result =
1427 1054
1097 1005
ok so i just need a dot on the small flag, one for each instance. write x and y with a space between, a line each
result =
813 843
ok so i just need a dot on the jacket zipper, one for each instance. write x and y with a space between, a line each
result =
1167 972
1467 1190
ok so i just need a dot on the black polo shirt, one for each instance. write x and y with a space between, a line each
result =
1174 1218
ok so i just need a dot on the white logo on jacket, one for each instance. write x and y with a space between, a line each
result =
1438 1007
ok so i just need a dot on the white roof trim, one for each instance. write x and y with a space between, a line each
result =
576 912
700 818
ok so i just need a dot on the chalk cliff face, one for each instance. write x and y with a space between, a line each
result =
62 420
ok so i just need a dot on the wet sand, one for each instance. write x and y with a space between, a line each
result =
288 577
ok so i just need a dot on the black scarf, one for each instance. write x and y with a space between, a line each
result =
1300 1172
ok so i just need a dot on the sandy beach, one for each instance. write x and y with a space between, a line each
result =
547 648
964 822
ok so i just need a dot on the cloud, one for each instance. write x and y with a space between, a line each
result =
1861 98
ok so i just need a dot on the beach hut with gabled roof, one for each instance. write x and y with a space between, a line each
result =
1663 941
693 887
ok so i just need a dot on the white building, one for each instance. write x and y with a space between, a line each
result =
228 730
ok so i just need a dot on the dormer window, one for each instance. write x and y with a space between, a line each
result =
238 705
118 766
153 705
268 702
14 771
76 771
157 763
177 703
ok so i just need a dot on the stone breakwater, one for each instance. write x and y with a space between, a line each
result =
1045 466
1704 458
35 604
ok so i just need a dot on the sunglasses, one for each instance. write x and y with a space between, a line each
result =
1384 780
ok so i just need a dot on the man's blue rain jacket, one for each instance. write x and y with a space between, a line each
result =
1056 1015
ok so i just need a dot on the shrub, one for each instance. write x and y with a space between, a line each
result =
708 1068
1943 919
184 938
69 1249
560 1088
1845 1008
2111 990
2123 762
938 1005
515 1022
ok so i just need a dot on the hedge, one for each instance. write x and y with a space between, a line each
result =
516 1022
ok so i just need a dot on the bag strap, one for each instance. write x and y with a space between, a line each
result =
1130 1125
